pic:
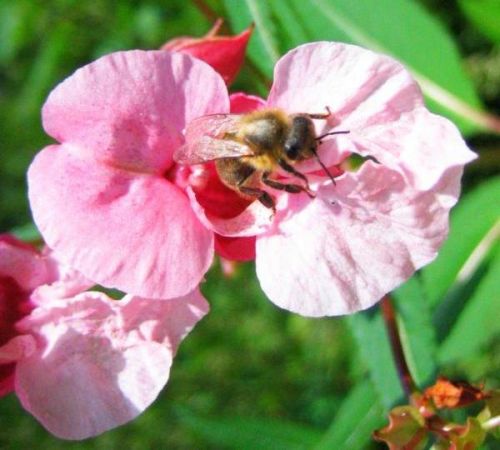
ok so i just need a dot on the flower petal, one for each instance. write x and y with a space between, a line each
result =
69 283
253 220
355 242
24 264
18 347
130 108
352 81
235 248
374 98
102 362
14 350
242 103
130 231
420 145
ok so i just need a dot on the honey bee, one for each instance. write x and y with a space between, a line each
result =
249 148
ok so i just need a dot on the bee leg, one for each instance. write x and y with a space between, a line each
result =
287 187
290 169
321 116
261 195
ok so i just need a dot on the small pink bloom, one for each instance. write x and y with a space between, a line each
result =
21 271
224 53
362 237
107 197
84 364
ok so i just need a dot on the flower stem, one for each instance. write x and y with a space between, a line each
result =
206 10
389 315
212 16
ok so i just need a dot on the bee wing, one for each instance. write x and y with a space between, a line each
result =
207 148
204 140
214 125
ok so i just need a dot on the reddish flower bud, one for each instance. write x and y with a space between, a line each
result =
454 394
224 53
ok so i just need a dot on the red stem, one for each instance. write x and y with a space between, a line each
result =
389 315
206 10
212 16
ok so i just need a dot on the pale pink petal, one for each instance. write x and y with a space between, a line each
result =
24 264
126 230
130 108
374 98
419 144
69 283
101 362
355 242
353 82
166 322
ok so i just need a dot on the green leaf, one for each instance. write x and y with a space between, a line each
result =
416 331
468 436
44 70
478 322
251 433
359 415
406 429
27 233
16 18
401 28
472 221
263 48
485 15
370 333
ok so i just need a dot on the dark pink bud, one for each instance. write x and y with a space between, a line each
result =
224 53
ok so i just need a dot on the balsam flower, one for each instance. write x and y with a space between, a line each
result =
112 203
370 231
82 363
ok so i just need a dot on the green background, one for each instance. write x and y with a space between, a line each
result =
250 375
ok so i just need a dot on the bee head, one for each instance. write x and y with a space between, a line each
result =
292 149
300 138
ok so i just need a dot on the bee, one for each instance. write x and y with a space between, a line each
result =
249 148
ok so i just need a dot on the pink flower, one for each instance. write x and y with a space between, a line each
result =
225 54
21 271
370 231
83 364
108 199
112 203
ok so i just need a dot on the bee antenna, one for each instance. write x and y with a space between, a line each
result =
331 133
324 167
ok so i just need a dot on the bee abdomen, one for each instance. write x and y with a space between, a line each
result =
233 172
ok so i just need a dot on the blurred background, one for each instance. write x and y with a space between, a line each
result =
250 375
